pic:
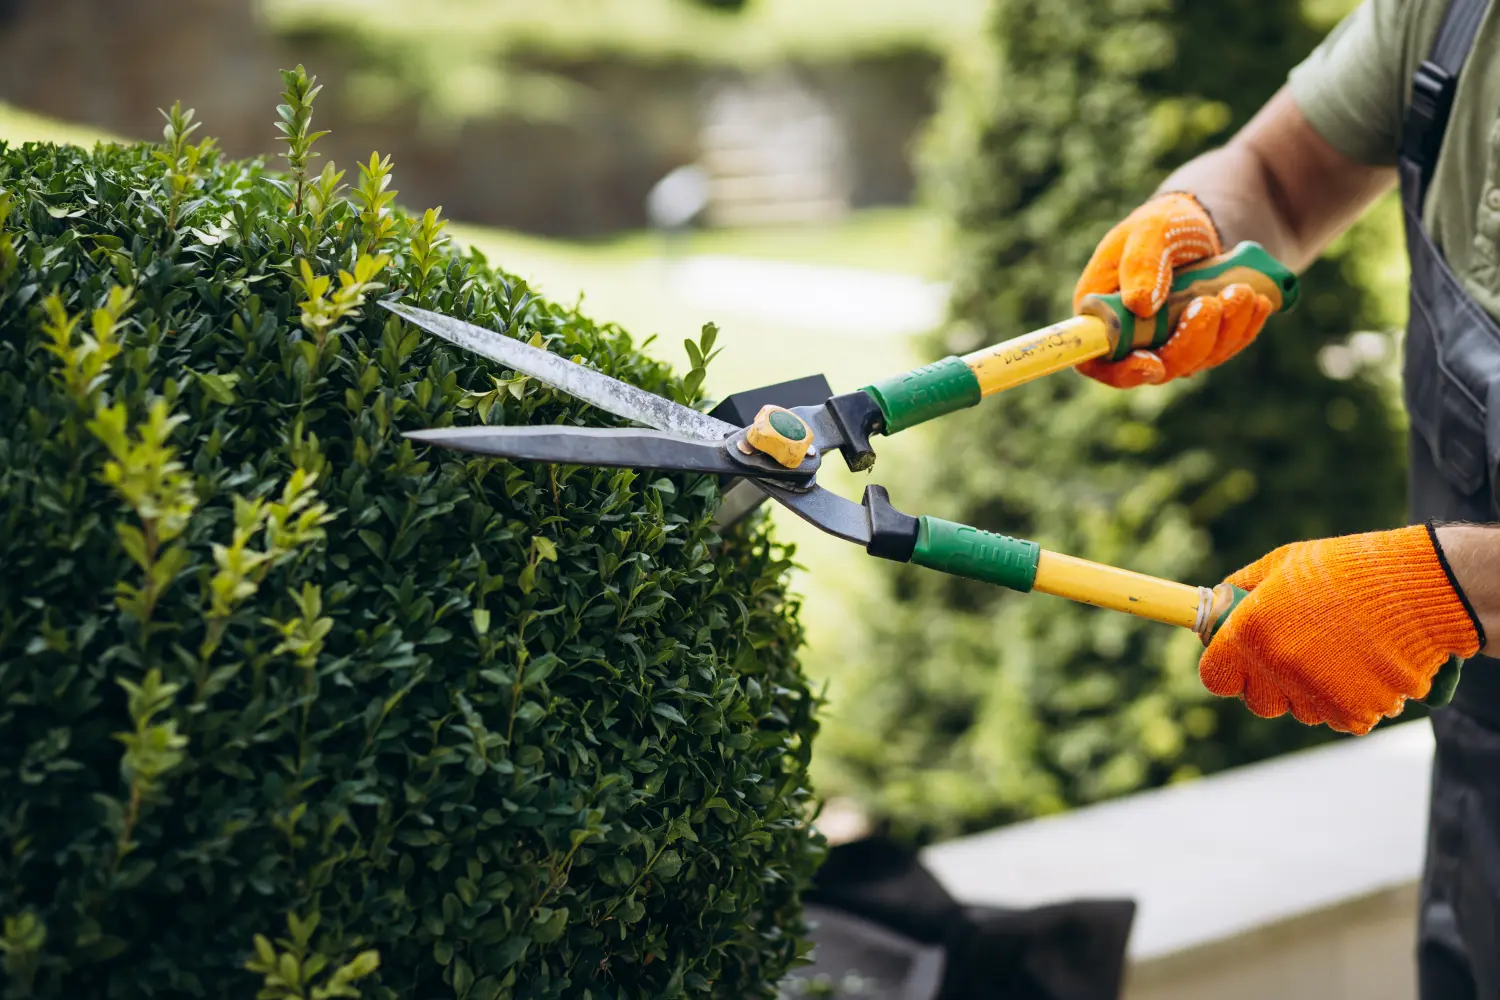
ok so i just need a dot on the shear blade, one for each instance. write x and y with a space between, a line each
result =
612 446
830 512
595 388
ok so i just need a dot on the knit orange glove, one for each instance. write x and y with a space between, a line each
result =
1137 259
1342 630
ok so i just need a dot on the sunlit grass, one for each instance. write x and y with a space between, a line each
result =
18 126
765 31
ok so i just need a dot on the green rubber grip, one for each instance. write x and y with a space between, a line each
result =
925 393
1444 683
1249 263
1221 614
976 555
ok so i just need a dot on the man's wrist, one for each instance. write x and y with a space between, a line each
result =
1471 554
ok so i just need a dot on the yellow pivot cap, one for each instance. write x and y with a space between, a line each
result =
781 434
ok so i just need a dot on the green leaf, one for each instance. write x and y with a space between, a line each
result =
373 542
540 669
463 978
549 925
510 951
217 387
667 865
668 712
364 964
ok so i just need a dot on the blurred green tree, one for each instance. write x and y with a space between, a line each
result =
980 706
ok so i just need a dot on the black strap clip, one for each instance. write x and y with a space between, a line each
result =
1432 92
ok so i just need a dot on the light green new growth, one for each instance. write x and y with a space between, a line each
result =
291 968
322 310
181 157
296 128
428 244
699 355
152 750
286 527
85 362
374 201
8 259
323 193
21 941
145 472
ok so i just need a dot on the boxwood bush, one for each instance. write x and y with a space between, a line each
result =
293 708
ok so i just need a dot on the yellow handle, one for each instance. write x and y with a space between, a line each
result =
1107 329
1122 590
1041 352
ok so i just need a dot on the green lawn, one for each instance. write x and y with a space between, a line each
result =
766 31
18 126
902 240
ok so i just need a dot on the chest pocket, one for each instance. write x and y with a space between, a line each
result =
1452 383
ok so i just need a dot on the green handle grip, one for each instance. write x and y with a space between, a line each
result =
924 393
1444 682
975 554
1227 597
1248 264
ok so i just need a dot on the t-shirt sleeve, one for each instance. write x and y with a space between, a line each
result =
1352 88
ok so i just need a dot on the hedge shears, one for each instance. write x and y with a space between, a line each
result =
779 453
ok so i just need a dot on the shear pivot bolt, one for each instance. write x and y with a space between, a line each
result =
781 434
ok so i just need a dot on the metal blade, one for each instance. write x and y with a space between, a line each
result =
820 508
616 447
817 506
594 388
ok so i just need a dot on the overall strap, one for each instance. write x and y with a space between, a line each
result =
1432 91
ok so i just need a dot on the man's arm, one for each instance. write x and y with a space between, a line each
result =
1473 554
1279 183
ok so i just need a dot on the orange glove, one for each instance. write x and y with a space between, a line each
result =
1137 259
1342 630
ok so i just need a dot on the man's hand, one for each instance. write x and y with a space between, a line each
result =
1277 182
1345 630
1137 258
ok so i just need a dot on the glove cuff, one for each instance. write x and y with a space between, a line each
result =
1437 547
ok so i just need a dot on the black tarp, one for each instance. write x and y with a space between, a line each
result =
884 929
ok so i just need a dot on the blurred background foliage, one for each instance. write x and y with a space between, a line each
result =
976 706
1020 130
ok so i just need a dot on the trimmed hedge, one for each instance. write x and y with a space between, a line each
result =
292 705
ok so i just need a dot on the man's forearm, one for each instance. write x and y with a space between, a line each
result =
1231 183
1473 554
1279 183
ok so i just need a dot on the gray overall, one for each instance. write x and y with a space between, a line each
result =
1452 386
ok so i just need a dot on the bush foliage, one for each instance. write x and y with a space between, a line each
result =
293 706
982 706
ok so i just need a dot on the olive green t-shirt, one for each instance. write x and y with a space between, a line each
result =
1353 89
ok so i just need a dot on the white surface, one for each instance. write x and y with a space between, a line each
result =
836 299
1216 858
